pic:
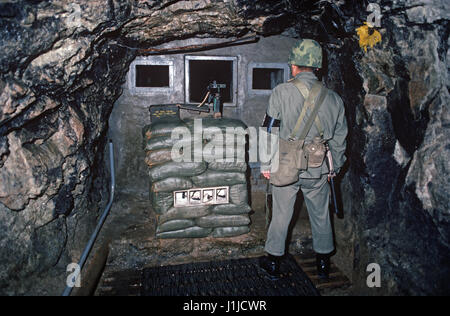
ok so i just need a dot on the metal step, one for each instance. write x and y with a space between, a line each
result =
337 280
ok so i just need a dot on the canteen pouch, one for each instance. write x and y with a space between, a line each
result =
315 153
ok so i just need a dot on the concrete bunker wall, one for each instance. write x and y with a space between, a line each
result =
131 111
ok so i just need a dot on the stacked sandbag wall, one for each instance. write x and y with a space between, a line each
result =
167 176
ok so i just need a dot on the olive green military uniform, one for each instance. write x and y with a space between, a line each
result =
285 104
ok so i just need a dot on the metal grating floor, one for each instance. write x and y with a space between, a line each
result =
235 277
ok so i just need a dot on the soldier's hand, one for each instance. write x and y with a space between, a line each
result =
331 176
266 174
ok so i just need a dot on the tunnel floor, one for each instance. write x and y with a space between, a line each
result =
232 277
127 245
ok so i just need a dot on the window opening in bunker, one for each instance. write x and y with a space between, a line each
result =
148 76
267 78
151 75
201 71
263 77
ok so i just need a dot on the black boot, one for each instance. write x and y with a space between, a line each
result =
323 265
271 266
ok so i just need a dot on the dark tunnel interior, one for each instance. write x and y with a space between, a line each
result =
74 75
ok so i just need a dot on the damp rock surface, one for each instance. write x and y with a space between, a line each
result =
61 68
396 213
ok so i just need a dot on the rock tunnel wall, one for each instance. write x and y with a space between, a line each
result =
395 192
61 69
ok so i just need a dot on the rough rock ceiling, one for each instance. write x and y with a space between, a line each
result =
61 68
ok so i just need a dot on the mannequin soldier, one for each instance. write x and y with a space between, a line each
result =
285 105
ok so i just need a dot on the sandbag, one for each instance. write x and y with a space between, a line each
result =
161 201
171 184
222 220
216 178
176 169
228 137
231 209
185 212
174 225
212 153
228 166
165 142
157 157
191 232
162 128
222 123
239 194
230 231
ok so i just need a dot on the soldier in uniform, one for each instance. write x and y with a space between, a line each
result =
285 105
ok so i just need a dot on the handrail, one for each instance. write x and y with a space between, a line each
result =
91 241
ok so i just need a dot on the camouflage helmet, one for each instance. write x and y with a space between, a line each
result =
307 53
